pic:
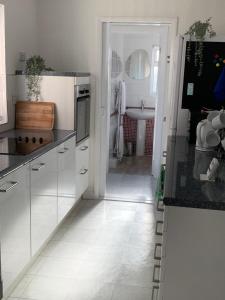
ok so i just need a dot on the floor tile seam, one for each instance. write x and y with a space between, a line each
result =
39 276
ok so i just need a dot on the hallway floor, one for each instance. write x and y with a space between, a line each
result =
102 251
131 180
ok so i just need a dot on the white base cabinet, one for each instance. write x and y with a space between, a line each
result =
194 262
34 199
44 204
82 167
66 153
14 224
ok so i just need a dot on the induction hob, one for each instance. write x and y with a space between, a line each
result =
21 145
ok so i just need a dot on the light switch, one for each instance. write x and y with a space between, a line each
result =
190 89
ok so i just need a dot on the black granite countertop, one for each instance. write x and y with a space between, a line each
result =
9 163
59 73
183 186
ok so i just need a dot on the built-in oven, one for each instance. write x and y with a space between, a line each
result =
82 106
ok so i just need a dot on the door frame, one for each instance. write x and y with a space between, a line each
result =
101 128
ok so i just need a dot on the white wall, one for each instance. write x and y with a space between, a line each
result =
21 36
21 30
139 90
69 28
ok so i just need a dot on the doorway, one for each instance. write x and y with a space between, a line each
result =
129 170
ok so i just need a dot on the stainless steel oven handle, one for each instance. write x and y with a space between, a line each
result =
84 148
64 150
39 167
7 186
83 172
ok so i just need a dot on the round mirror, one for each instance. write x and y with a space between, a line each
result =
137 64
116 65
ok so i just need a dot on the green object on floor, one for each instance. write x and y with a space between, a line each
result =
160 184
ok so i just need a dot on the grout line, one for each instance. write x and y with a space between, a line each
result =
115 199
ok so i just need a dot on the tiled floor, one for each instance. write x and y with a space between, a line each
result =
131 180
103 251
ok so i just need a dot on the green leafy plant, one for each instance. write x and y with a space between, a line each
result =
34 66
200 31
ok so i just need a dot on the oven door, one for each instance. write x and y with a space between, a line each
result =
83 118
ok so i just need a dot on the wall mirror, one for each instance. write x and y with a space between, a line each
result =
116 65
138 65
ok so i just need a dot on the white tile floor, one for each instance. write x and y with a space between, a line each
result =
103 251
131 180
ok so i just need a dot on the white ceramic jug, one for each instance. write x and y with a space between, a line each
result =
207 137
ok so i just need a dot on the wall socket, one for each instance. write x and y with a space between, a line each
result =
14 99
22 56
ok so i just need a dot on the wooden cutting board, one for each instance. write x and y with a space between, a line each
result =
35 115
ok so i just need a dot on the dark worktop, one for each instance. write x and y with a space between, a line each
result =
182 179
9 163
59 73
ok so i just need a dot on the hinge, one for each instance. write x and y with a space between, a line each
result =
168 59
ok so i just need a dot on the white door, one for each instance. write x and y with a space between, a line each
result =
161 102
105 104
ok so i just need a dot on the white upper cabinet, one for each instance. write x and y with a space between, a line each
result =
66 177
43 198
3 99
14 224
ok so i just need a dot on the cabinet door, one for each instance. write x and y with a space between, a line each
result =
43 198
82 166
66 177
14 224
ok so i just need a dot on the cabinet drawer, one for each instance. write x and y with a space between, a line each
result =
82 155
66 153
14 224
66 168
82 168
43 198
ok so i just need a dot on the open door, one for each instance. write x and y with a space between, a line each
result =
105 104
161 102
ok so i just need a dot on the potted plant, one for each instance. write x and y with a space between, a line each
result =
34 66
200 31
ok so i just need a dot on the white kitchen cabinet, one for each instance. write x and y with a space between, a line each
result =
66 153
14 224
44 206
82 168
194 263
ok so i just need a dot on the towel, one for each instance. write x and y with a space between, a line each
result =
121 108
122 97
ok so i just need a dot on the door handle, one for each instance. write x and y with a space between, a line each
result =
155 279
155 292
63 150
39 167
164 153
157 257
83 148
7 186
84 171
157 232
160 209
